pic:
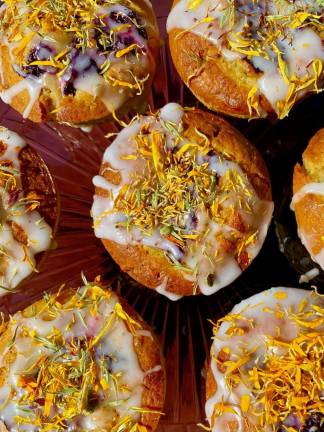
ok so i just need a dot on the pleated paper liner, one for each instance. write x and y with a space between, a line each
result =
74 157
37 181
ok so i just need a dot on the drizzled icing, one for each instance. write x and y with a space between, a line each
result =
306 238
161 289
17 259
290 61
204 253
308 189
258 331
89 339
33 88
105 56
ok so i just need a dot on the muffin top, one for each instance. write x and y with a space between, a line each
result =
167 185
23 231
99 47
266 364
308 199
281 40
68 362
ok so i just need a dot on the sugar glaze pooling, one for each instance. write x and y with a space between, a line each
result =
17 259
106 219
299 49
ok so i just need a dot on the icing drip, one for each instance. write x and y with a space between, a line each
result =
172 113
225 24
111 63
83 340
307 277
161 289
95 85
27 84
209 263
246 336
309 189
17 255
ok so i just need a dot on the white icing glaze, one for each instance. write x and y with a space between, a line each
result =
308 189
307 277
254 340
226 269
172 113
27 84
306 46
96 85
86 128
273 86
17 260
154 370
183 18
116 343
300 48
161 289
144 333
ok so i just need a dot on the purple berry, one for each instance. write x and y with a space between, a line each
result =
131 17
314 423
69 88
41 52
33 70
100 37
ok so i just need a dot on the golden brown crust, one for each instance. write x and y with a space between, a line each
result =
149 354
203 70
313 157
83 108
211 385
148 351
154 267
220 85
309 210
228 141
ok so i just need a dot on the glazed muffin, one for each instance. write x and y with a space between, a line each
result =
266 366
248 58
183 201
308 199
77 62
26 210
80 361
